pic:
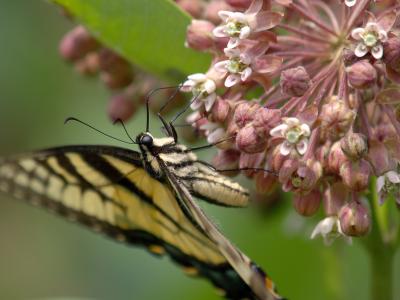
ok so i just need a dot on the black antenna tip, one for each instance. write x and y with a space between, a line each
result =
69 119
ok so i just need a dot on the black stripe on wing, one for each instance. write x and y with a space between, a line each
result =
221 275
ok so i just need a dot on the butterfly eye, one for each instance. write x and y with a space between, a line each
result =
146 140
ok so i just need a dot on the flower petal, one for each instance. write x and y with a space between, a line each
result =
232 80
292 121
301 146
350 3
266 20
246 74
224 14
220 31
357 33
193 117
382 36
244 32
209 86
233 43
221 66
209 101
305 129
254 7
285 148
196 104
187 86
361 50
267 64
279 130
198 77
393 177
324 227
377 51
380 182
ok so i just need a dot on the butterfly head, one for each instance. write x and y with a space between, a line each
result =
145 139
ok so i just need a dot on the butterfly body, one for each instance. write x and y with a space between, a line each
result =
142 198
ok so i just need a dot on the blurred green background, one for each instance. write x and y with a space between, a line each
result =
45 257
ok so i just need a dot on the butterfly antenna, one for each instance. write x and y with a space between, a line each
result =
184 109
148 100
210 145
70 119
126 131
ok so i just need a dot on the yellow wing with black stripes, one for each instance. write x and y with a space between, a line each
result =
106 189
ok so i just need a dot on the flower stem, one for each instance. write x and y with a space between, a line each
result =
381 249
382 273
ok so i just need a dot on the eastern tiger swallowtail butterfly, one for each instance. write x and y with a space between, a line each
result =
143 198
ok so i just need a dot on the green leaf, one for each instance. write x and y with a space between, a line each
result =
149 33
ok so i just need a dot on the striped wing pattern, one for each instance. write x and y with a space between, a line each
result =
261 285
107 189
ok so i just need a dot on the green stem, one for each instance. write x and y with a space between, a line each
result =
381 274
381 249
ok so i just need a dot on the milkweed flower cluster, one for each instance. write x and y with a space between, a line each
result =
308 90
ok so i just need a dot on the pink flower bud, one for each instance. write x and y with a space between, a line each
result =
307 204
361 75
121 107
354 219
220 110
240 4
334 198
298 177
355 174
266 183
354 145
336 119
378 156
295 82
199 35
111 62
226 159
349 57
245 113
249 161
265 119
336 158
276 159
116 81
322 153
212 9
247 140
77 43
391 53
192 7
89 65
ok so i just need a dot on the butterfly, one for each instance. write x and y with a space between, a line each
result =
144 199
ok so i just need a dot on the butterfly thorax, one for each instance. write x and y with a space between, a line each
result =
158 152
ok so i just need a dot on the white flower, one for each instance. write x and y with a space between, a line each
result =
236 26
329 228
238 67
203 89
350 3
388 183
295 135
213 132
370 39
239 26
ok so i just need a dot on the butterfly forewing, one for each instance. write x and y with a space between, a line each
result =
107 189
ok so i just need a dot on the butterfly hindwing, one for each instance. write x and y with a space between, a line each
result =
262 287
107 189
